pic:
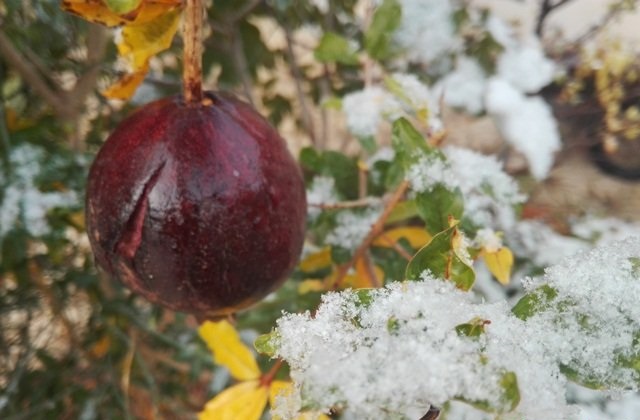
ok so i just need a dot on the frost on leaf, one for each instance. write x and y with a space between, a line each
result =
586 308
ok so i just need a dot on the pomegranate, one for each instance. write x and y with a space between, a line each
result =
197 207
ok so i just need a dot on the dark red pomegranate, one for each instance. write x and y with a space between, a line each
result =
199 208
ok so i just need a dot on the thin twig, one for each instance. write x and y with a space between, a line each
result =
33 79
362 202
545 9
393 244
244 11
307 121
376 229
614 10
371 271
241 64
268 377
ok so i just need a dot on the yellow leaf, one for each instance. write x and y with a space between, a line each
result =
285 389
279 389
140 42
417 237
245 401
97 11
94 11
228 350
311 286
363 278
316 261
101 347
125 87
499 263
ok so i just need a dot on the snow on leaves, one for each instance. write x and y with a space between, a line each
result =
580 321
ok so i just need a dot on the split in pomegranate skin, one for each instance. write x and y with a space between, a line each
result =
199 208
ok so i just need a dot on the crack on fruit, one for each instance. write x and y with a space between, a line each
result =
131 237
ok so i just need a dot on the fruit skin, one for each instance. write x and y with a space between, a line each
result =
198 208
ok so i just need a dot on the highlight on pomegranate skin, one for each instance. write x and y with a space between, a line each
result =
199 208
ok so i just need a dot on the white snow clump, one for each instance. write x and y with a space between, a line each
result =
489 193
23 203
526 123
395 351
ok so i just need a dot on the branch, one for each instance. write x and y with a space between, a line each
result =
241 64
376 229
96 46
545 9
297 77
362 202
614 10
32 78
244 11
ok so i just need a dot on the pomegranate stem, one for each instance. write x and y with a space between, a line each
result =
192 37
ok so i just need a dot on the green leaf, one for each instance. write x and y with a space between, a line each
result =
533 302
311 160
267 344
576 376
377 38
335 48
364 297
402 211
511 395
344 171
509 398
410 145
340 255
473 328
436 206
368 143
407 142
393 325
635 265
440 258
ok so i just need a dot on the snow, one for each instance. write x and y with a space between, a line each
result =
352 227
365 110
489 193
526 123
542 245
23 203
417 99
398 352
322 191
464 87
427 30
488 239
593 320
526 67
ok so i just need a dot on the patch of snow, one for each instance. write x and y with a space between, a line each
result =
489 193
526 123
365 110
464 87
352 227
427 30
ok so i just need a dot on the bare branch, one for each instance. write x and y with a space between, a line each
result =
307 121
244 11
241 64
32 78
376 229
546 8
363 202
